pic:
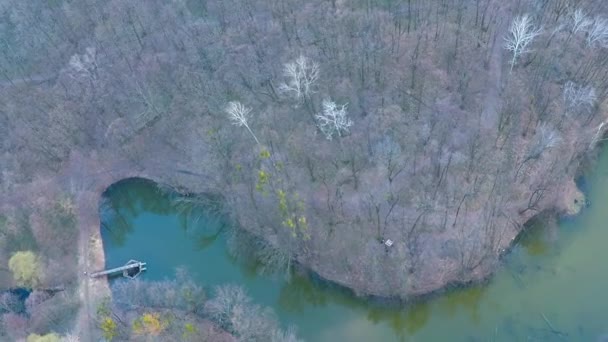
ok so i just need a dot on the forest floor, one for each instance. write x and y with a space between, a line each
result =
490 114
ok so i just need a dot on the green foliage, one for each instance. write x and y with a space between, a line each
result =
108 328
292 212
52 337
265 154
103 308
263 178
283 203
236 176
189 331
26 269
150 324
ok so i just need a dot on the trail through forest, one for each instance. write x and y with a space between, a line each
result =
492 99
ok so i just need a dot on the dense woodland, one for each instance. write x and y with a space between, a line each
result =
326 127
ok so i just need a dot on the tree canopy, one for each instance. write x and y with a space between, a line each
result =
26 269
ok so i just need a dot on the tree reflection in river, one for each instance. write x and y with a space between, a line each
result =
550 273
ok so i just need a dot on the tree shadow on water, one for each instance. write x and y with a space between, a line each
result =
303 292
124 201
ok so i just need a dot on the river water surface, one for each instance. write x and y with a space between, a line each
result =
550 288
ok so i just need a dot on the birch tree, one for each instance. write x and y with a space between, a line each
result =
238 114
333 120
85 64
598 134
597 33
580 21
545 139
578 97
521 33
301 76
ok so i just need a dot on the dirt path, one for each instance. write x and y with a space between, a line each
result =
87 177
83 326
492 102
88 187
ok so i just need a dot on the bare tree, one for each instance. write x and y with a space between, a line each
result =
288 335
535 198
273 259
233 310
580 21
70 338
301 76
598 134
388 153
578 97
239 115
85 64
597 33
333 120
546 138
253 323
227 299
521 33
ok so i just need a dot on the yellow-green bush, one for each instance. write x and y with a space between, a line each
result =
52 337
26 269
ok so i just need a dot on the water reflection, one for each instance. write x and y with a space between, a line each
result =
560 278
535 238
403 322
300 293
125 200
464 300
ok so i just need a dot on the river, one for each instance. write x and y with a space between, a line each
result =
551 286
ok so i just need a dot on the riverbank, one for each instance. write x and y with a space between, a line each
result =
534 280
88 188
449 169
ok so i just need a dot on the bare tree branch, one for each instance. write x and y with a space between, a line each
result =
239 115
580 21
597 33
333 119
521 33
301 76
578 97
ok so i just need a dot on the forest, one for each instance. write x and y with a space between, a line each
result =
325 127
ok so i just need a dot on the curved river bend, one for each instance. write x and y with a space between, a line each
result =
552 281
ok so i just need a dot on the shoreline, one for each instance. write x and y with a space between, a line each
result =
390 301
92 256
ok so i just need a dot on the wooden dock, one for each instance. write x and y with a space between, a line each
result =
131 265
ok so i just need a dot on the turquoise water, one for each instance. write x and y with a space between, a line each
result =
550 288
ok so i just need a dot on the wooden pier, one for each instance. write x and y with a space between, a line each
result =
127 270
